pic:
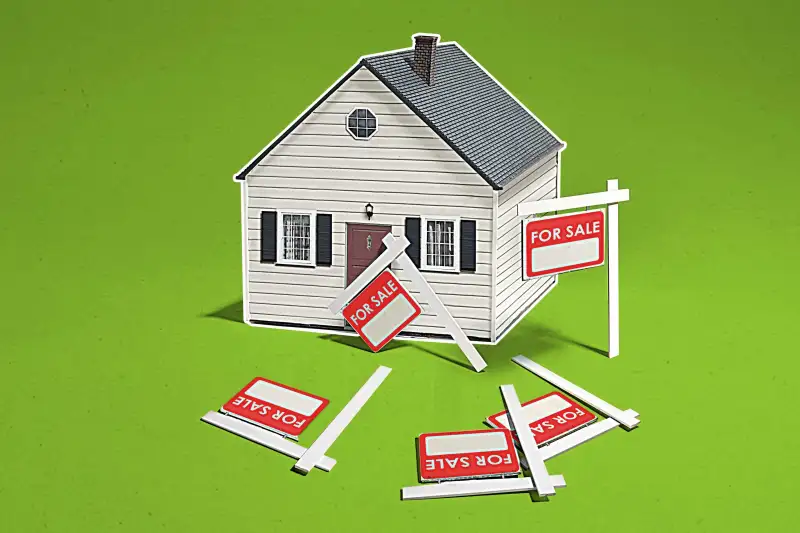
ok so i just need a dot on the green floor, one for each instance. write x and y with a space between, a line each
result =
121 125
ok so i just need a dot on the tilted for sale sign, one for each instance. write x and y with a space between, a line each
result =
381 310
274 406
563 243
550 416
467 454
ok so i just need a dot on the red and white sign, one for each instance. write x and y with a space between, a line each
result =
563 243
467 454
381 310
550 416
274 406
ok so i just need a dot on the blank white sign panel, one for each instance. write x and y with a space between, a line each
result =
477 442
565 254
291 400
385 322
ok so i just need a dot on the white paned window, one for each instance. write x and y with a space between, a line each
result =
296 238
440 244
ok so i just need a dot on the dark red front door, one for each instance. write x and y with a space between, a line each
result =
364 245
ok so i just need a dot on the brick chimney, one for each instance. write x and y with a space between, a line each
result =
424 56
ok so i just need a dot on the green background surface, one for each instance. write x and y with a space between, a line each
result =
122 124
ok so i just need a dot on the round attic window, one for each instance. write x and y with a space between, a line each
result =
361 123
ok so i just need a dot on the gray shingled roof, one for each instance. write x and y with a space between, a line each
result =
472 112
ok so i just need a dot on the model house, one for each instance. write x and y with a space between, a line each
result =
421 142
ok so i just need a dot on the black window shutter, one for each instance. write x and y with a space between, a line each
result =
324 239
269 236
413 236
469 246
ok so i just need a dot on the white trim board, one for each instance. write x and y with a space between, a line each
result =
625 418
316 451
265 438
517 422
573 202
474 487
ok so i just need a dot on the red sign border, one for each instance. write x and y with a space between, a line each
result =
509 440
253 381
526 262
400 293
492 419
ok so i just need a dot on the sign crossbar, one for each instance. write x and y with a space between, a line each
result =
625 418
526 209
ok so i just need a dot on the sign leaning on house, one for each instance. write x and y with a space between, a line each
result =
381 310
396 251
578 255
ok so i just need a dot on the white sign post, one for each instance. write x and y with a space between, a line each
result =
611 197
314 454
395 250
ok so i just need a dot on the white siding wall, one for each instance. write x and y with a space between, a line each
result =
404 170
515 297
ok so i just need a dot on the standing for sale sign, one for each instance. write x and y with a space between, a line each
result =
550 416
381 310
563 243
274 406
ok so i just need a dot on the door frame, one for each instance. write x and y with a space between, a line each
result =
347 326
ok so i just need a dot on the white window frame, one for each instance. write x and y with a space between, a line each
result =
313 235
456 244
347 126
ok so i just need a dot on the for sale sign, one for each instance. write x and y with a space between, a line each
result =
381 310
550 416
563 243
467 454
276 407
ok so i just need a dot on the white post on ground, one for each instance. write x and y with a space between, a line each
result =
314 454
613 274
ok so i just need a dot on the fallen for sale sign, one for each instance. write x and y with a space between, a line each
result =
381 310
467 454
276 407
563 243
550 416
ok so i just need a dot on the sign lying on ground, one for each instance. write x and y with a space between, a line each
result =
269 404
381 310
550 416
563 243
467 454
